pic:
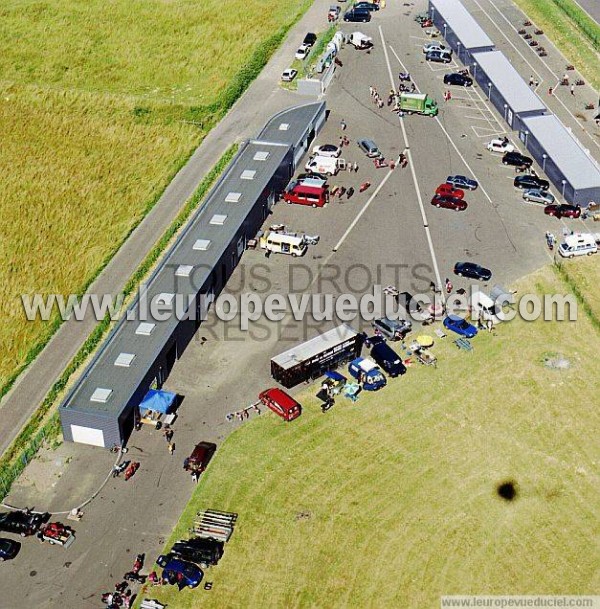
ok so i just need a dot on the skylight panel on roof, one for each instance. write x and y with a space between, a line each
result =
145 328
124 360
201 245
165 298
184 270
101 395
284 126
248 174
218 219
261 155
233 197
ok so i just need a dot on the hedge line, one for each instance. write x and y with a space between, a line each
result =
582 20
563 274
26 444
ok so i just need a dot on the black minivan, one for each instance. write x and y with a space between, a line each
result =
387 358
357 15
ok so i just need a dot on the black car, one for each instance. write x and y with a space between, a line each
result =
8 548
458 79
411 306
357 15
527 181
366 6
517 159
386 357
23 522
472 270
203 552
310 39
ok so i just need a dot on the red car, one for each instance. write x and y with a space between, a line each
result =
447 190
449 203
563 211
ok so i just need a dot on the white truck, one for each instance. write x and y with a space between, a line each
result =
360 41
325 164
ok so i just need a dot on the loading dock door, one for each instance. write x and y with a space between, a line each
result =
87 435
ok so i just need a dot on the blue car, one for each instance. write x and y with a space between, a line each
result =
179 572
460 326
8 548
462 182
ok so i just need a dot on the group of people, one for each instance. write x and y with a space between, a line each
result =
243 414
122 597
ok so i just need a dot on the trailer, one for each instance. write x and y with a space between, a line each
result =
213 524
57 533
309 360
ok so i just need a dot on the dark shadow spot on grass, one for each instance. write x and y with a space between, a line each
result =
507 490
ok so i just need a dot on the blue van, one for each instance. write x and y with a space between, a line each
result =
367 373
387 358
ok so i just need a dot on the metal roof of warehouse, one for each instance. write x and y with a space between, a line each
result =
505 78
205 228
574 162
133 345
464 26
288 126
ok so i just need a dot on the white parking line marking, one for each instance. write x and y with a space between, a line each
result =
363 210
411 166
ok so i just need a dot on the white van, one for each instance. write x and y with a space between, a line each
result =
484 308
360 41
283 243
579 244
325 164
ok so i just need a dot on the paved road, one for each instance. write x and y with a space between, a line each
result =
591 7
388 245
263 99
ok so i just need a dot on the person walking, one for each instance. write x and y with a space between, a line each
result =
549 90
343 125
350 192
572 89
531 81
171 447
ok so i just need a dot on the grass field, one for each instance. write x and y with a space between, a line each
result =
585 272
91 97
566 36
392 501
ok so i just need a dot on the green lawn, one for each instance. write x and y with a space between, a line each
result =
392 501
567 37
100 103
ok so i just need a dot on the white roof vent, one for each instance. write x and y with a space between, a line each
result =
101 395
201 245
261 155
218 219
124 360
233 197
165 298
284 126
145 328
184 270
248 174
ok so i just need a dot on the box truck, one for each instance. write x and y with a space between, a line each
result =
418 103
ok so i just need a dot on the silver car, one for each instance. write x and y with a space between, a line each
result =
369 147
393 329
538 196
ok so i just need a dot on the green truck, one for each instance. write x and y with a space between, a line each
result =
419 103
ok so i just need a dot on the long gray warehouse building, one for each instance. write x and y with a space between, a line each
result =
139 353
505 88
567 164
462 33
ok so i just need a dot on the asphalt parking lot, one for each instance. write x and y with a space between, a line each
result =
389 234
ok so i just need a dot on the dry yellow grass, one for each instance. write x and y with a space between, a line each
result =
392 501
91 94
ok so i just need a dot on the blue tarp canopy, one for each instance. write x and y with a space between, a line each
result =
335 376
158 401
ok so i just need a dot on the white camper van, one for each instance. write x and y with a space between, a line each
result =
579 244
283 243
360 41
484 308
325 164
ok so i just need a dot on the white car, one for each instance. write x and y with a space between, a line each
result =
436 46
501 145
303 51
327 150
289 75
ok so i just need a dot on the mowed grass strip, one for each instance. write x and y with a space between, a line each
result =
392 501
565 34
585 273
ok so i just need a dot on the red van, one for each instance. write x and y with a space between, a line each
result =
303 194
281 403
